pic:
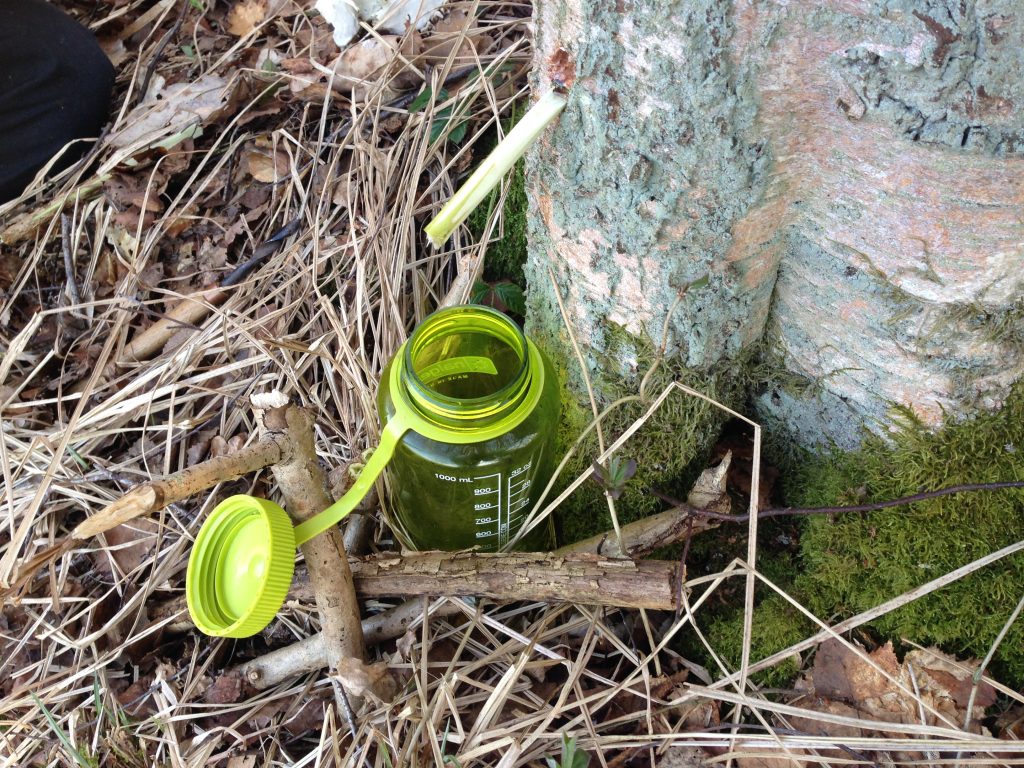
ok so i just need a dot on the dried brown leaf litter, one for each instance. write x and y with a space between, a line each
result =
251 221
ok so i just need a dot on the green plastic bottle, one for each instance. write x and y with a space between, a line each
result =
480 403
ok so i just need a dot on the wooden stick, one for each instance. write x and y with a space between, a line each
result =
644 536
584 578
310 654
304 487
152 496
575 578
188 311
26 225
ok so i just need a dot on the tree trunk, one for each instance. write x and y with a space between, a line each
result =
847 174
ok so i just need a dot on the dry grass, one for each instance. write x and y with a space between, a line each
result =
88 678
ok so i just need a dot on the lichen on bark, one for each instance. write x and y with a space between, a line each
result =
651 171
943 72
876 262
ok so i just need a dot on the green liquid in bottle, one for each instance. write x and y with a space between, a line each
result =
485 402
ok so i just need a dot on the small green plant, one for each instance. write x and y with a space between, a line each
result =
571 756
615 475
441 117
503 295
82 759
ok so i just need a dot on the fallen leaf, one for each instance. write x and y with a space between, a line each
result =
362 679
770 762
173 113
267 165
454 37
684 757
839 673
137 699
128 545
310 717
928 688
218 447
198 448
114 48
344 190
136 198
956 677
358 68
226 689
245 16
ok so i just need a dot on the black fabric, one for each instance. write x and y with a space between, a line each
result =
55 86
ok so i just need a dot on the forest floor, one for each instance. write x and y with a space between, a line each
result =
251 221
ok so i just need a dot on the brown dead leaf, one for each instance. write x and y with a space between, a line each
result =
839 673
226 689
172 113
10 407
218 447
266 164
245 16
364 679
135 197
456 37
683 757
198 448
847 683
1011 724
129 545
358 68
773 762
137 699
310 717
114 49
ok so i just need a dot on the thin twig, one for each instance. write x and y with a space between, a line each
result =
158 54
69 266
807 511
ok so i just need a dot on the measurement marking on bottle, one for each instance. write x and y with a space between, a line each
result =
515 489
518 505
500 501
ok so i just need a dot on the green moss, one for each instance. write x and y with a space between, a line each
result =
776 625
853 562
670 448
506 255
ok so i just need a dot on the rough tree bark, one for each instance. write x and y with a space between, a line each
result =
847 174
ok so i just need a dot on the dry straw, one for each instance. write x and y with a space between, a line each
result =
90 675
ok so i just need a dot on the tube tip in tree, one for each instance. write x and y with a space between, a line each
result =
490 172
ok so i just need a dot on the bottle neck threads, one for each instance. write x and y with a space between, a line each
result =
466 368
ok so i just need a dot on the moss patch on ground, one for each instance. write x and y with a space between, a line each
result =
777 625
853 562
670 449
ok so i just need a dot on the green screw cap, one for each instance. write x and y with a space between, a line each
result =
241 567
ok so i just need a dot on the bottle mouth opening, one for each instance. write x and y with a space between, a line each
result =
466 363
